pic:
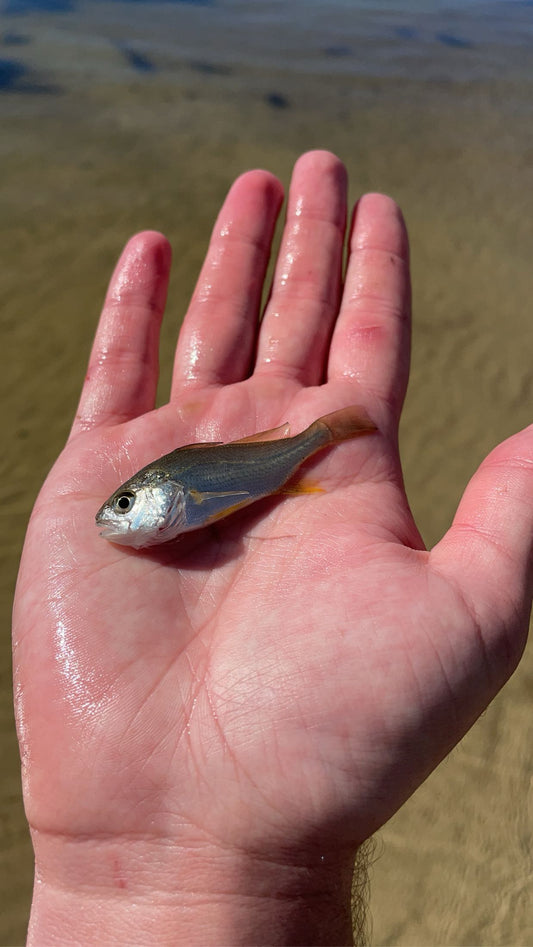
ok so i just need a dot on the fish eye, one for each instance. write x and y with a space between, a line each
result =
124 502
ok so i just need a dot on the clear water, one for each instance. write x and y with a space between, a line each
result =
459 40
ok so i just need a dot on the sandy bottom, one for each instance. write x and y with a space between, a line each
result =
82 171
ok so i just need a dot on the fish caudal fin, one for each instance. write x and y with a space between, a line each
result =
347 423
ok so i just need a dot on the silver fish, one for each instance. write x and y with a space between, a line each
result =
199 484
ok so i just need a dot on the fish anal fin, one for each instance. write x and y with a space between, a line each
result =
273 434
300 487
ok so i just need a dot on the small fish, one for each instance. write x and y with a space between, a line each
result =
197 485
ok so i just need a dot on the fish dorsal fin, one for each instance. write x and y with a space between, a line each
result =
273 434
201 444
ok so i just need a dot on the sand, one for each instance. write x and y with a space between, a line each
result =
84 169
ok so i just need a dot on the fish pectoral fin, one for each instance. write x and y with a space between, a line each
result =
221 514
301 487
274 433
199 496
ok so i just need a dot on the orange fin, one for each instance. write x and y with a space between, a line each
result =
300 487
274 433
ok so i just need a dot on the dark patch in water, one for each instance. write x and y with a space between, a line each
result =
46 6
454 41
277 100
16 77
67 6
10 73
406 32
209 68
137 61
15 39
192 3
337 51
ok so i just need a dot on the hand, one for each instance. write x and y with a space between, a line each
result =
210 729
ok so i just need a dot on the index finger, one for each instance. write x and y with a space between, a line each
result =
121 379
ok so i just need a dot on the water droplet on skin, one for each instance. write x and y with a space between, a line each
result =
79 691
298 208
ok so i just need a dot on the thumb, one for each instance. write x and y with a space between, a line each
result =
488 551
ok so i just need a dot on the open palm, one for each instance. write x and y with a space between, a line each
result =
282 680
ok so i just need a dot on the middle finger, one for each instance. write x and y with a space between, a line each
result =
301 311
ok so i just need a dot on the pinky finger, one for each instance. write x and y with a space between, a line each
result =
123 368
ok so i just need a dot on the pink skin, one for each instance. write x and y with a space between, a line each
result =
210 729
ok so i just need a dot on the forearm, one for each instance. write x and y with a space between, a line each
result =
123 892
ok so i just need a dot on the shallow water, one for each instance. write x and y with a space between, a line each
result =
119 116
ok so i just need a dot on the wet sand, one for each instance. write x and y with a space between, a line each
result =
83 169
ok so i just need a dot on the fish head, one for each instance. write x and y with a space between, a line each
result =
143 512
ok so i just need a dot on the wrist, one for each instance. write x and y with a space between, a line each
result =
123 891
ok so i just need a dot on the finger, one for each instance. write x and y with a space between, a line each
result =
488 551
219 331
303 305
371 341
122 376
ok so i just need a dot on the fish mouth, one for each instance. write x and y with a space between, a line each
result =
107 528
113 535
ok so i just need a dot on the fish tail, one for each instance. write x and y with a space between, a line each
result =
347 423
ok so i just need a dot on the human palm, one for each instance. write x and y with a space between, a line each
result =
288 676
